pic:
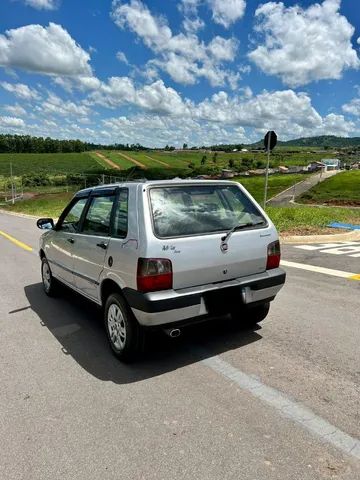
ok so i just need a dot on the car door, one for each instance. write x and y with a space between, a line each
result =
59 250
92 242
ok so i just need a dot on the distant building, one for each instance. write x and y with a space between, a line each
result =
331 164
244 150
315 166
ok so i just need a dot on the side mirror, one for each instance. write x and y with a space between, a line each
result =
45 223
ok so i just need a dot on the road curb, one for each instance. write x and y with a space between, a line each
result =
16 214
335 237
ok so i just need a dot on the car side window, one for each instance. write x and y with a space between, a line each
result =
70 222
97 219
121 214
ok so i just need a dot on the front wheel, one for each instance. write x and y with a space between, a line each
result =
50 285
124 333
250 316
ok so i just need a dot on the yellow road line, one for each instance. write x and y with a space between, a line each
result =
355 277
16 242
326 271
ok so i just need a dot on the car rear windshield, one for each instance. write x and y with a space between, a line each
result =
199 209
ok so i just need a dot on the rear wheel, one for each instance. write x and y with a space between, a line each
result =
50 285
124 333
250 316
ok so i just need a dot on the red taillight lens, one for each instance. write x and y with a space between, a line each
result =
273 255
154 274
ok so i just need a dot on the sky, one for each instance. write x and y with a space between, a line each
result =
160 72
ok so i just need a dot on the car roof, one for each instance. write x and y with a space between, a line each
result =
108 188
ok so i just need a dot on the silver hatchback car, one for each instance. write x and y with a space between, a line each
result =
164 254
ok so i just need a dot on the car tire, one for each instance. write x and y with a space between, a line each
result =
250 316
50 284
125 335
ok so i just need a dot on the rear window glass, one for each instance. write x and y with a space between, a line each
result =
193 210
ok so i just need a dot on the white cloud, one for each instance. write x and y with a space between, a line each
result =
336 125
11 122
49 50
155 97
223 49
192 22
352 107
20 90
55 105
42 4
290 113
192 25
16 110
183 56
153 130
135 15
226 12
122 57
304 45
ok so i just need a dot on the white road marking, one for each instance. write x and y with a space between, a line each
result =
314 268
321 246
287 407
351 249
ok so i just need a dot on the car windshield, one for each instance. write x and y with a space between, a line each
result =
199 209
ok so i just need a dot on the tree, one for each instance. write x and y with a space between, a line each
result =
203 160
215 157
231 163
185 146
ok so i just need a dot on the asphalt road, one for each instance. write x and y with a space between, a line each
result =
278 402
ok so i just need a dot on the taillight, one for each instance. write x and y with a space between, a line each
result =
154 274
273 255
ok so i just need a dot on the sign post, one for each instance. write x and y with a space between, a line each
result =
270 142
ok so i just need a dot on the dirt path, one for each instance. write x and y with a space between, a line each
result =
139 164
158 161
111 164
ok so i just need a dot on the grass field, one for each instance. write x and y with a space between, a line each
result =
341 189
181 159
277 183
51 163
310 220
25 163
43 205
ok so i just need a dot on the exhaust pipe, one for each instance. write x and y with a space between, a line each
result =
173 332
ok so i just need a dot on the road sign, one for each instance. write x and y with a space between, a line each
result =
270 140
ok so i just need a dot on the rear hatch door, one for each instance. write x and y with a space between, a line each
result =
191 222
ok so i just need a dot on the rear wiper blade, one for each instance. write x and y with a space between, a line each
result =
240 227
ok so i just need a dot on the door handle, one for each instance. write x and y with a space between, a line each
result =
102 245
71 240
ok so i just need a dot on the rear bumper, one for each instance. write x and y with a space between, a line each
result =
171 306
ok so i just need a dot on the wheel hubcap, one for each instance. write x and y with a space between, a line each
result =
46 274
116 326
